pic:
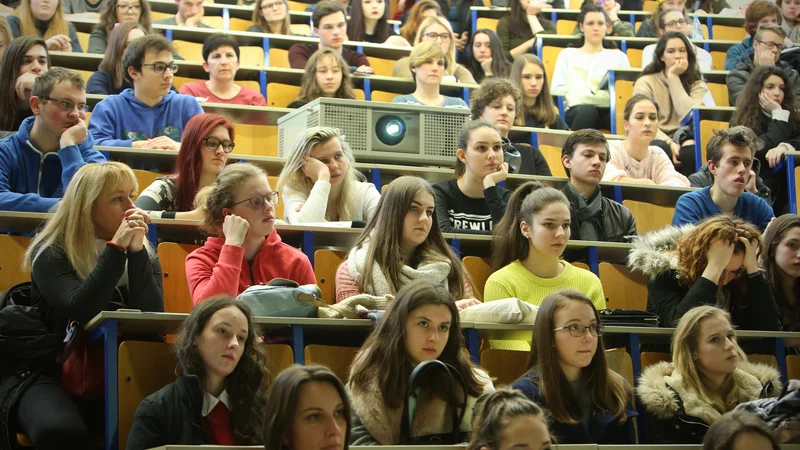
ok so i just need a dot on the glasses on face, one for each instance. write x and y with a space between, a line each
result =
674 23
67 105
772 45
162 67
443 36
257 202
576 330
213 143
128 8
271 5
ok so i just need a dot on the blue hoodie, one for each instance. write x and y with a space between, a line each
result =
23 187
118 120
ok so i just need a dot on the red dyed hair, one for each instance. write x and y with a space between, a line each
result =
189 164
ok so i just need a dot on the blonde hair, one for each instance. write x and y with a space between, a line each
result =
211 200
258 18
424 51
292 176
684 347
27 23
71 227
450 53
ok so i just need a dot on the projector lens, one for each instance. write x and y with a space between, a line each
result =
390 130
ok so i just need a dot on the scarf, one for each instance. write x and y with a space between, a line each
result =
430 268
588 215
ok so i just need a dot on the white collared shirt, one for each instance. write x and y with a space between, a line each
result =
209 401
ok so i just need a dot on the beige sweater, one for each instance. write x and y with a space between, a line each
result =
674 102
402 69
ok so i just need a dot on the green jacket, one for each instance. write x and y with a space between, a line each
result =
510 41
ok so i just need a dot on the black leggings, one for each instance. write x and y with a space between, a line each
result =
580 117
687 156
50 418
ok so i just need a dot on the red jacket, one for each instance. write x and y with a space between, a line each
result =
216 268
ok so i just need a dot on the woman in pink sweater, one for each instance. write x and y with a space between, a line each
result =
411 248
634 160
240 208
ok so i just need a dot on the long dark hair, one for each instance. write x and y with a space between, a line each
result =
248 383
501 68
593 8
543 110
108 17
384 357
692 74
518 19
356 24
9 72
609 391
117 43
284 396
777 230
748 108
508 243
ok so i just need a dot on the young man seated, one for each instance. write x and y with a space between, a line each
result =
330 24
149 115
37 162
221 56
730 158
594 217
190 14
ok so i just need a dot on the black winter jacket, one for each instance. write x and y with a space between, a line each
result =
617 220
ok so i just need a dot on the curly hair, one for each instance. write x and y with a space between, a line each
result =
249 382
492 89
693 247
748 108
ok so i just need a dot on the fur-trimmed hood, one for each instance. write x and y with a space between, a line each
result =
655 253
665 394
431 414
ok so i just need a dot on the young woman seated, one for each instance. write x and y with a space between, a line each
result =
419 12
649 28
271 16
240 208
779 260
221 390
537 110
526 251
518 28
421 324
673 79
114 14
708 376
91 256
206 142
714 262
508 419
110 78
24 60
634 160
319 183
404 225
739 430
436 29
486 58
674 20
768 106
326 75
473 203
497 101
45 20
308 409
580 71
428 67
569 376
369 22
615 26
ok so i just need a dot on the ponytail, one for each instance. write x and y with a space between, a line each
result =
495 412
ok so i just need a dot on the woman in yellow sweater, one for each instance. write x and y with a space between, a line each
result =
526 250
673 78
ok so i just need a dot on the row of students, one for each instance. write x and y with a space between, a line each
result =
45 20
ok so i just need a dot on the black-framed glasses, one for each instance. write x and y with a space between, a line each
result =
67 105
162 67
433 36
772 45
128 8
213 144
673 23
257 202
577 330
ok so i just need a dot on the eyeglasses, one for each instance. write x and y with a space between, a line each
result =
162 67
257 202
67 105
772 45
576 330
128 8
272 5
444 36
213 143
673 23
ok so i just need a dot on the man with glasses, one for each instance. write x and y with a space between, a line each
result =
330 24
149 115
190 14
768 44
759 13
37 162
